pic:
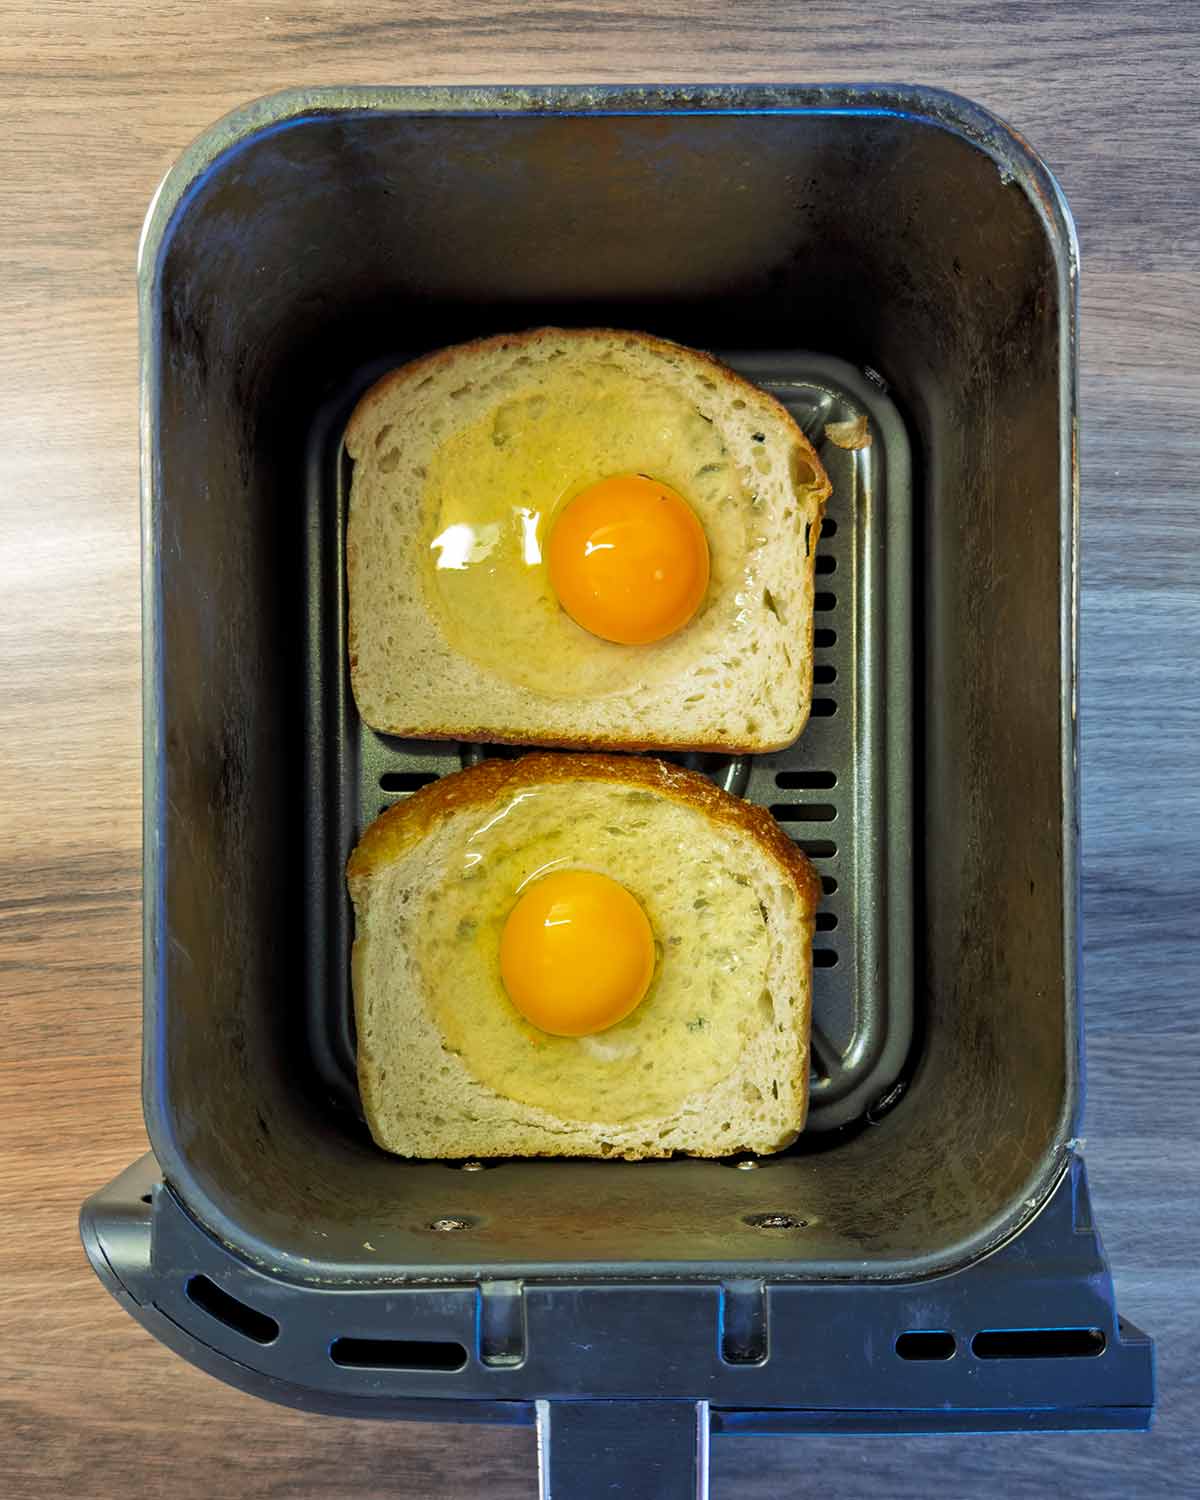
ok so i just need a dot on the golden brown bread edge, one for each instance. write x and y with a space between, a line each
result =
403 826
423 365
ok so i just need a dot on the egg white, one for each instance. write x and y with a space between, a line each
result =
708 995
494 487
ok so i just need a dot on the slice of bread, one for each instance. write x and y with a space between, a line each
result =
713 1061
484 442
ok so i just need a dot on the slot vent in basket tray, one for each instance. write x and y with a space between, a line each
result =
842 791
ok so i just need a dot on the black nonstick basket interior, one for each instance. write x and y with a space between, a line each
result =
935 785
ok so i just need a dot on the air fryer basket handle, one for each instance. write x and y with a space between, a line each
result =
640 1450
648 1351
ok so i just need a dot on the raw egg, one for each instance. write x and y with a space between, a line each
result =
628 559
576 953
494 493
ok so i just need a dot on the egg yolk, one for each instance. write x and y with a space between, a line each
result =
628 559
576 953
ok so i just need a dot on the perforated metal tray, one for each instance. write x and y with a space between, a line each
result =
842 791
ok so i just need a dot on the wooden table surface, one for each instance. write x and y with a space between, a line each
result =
97 100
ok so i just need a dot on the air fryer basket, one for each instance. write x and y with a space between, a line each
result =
843 789
299 247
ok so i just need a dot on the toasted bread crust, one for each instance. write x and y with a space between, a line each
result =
424 365
484 735
404 825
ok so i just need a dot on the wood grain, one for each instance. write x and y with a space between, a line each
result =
96 101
